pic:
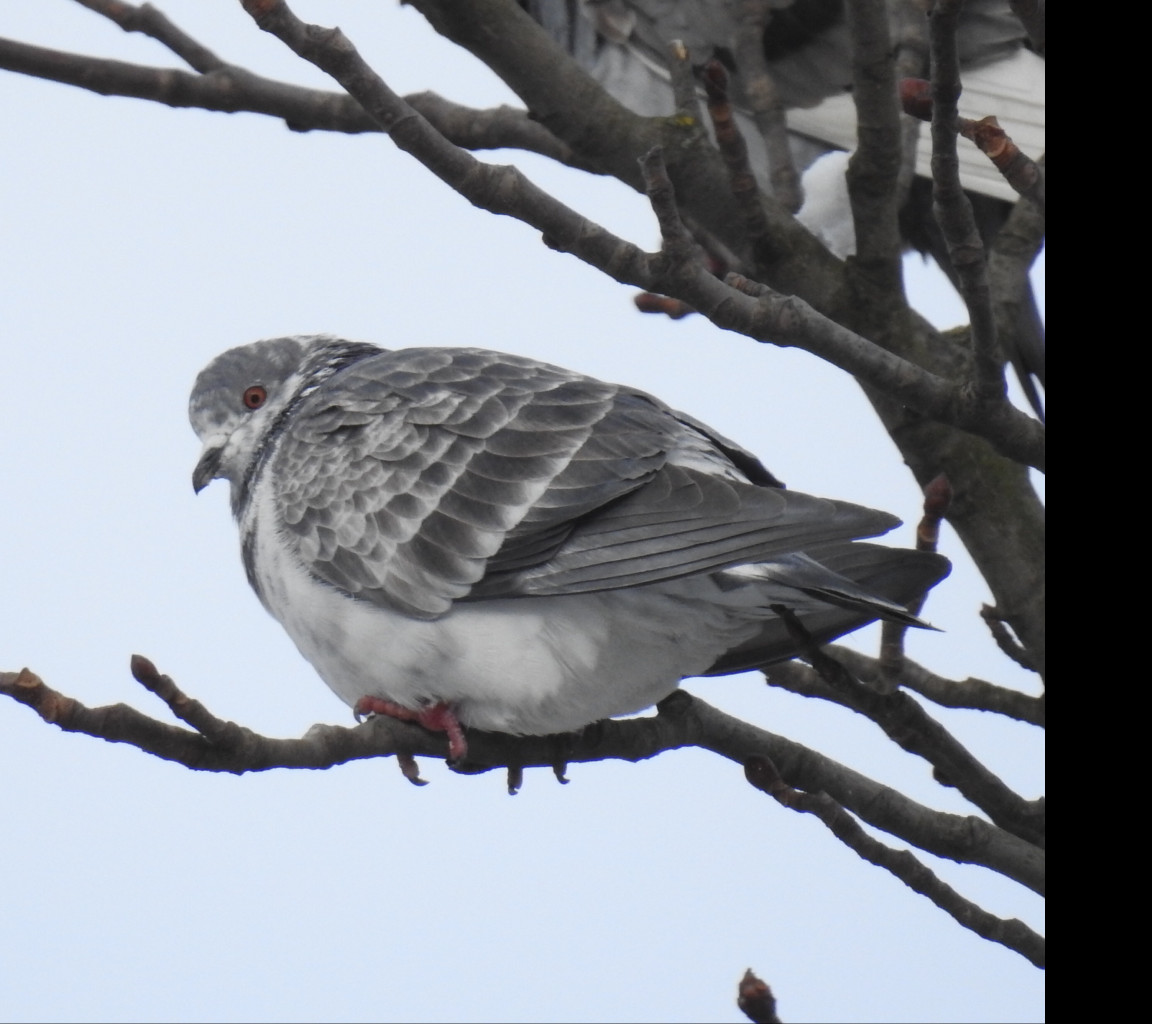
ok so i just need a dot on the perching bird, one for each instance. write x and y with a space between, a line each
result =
464 537
807 46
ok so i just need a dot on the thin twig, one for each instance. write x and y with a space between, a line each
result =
678 242
684 94
734 150
974 694
998 627
234 89
937 498
149 21
1024 174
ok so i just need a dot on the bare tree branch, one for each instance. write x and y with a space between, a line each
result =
234 89
683 83
682 721
565 99
149 21
908 725
1023 173
911 42
764 102
734 150
996 512
1011 933
996 621
975 694
874 169
790 321
1013 253
230 89
953 210
937 498
505 190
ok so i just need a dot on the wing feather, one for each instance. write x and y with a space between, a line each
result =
421 477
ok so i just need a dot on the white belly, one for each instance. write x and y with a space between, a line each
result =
524 665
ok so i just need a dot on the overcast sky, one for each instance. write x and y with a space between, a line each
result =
138 242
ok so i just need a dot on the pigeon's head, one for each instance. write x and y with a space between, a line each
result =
236 400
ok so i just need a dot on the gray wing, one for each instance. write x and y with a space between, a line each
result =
421 477
683 521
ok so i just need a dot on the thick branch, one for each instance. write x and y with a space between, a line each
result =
682 721
907 724
951 205
565 99
874 169
790 321
1012 933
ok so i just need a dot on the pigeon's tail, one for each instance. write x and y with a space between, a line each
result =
803 574
838 588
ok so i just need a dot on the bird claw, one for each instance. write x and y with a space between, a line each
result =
435 718
409 768
515 778
441 718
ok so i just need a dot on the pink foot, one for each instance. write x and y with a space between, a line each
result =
436 718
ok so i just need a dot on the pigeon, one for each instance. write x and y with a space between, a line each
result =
470 539
807 47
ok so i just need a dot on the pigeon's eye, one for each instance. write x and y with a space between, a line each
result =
255 396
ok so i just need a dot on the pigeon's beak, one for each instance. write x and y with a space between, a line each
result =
207 468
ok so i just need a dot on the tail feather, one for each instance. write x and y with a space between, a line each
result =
855 584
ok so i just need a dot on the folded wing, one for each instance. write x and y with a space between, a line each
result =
422 477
